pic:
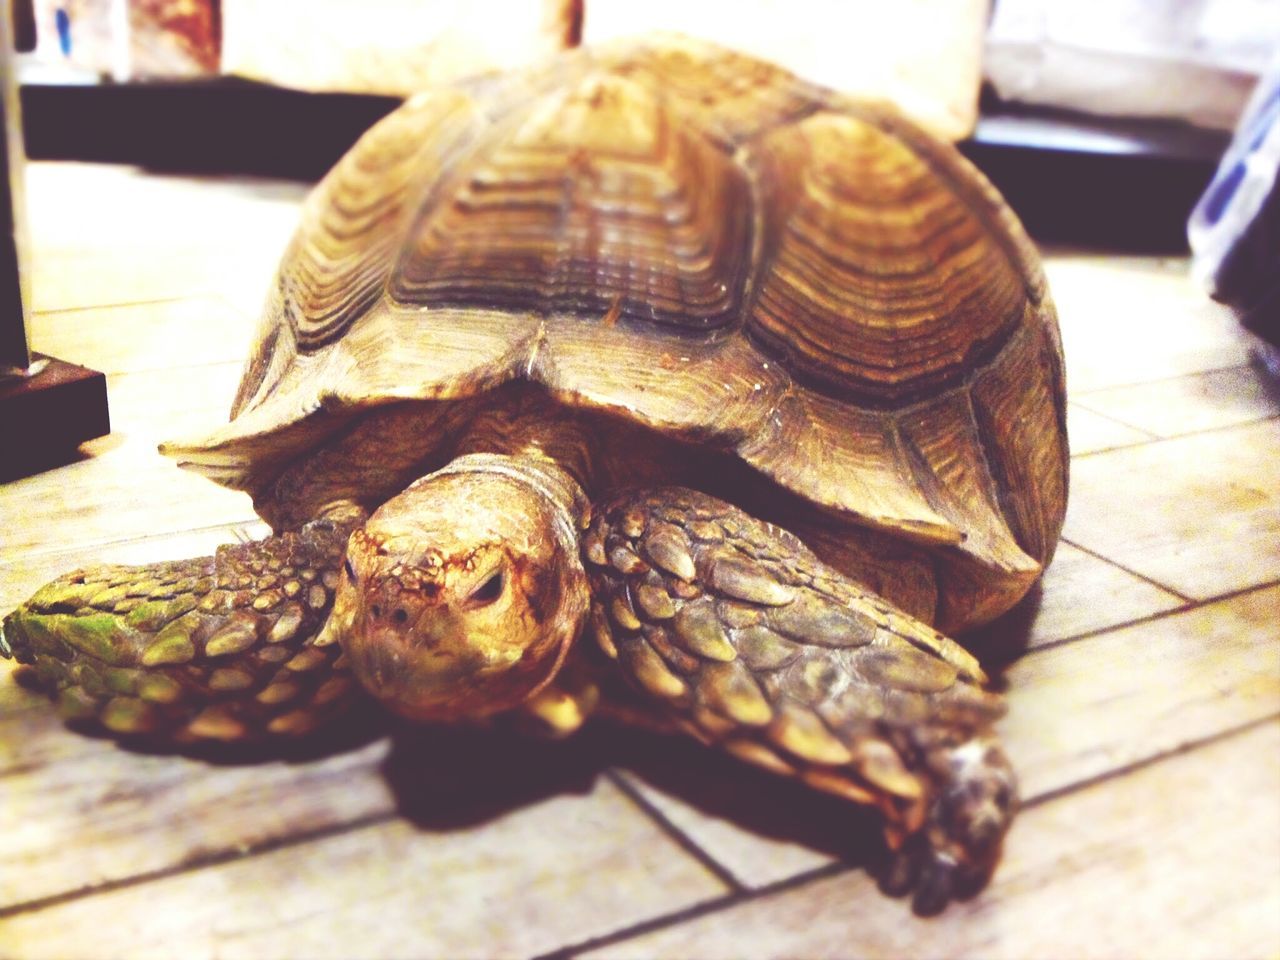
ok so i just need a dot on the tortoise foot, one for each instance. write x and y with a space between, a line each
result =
212 648
745 638
955 853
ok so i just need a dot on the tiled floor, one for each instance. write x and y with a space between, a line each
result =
1144 686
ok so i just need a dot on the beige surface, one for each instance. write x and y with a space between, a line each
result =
1143 718
924 55
394 47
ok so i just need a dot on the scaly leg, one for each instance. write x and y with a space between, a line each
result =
210 648
753 644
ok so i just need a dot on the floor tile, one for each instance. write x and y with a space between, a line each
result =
1088 708
24 574
1177 859
136 236
1090 432
123 488
1199 514
127 339
110 498
84 812
1202 401
1124 322
758 855
1082 593
523 882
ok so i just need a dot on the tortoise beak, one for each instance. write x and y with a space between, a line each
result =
422 666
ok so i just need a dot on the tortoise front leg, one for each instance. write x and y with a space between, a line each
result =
754 645
210 648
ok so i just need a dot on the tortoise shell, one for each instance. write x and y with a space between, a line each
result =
706 245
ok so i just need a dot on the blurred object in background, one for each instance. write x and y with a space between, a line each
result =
389 46
298 81
47 406
172 38
1193 60
128 39
924 55
15 273
1235 228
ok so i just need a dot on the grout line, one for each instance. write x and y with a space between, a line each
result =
200 862
1116 420
695 911
1129 570
1157 615
1136 384
1178 436
240 310
685 842
81 545
1242 591
1125 769
85 308
177 367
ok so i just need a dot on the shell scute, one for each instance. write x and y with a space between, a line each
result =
771 269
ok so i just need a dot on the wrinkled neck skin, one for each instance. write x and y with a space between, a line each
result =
530 427
462 596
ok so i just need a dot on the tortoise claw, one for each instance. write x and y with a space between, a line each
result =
952 856
899 877
932 878
6 651
933 889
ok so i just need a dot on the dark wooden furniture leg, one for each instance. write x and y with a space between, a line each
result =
47 406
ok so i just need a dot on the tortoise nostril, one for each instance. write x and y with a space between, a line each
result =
400 616
376 610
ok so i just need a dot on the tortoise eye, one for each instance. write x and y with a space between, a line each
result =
488 591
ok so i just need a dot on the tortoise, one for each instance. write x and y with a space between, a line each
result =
651 383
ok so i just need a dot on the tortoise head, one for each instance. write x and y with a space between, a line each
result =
462 595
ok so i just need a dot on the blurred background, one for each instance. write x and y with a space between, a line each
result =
1103 122
1121 108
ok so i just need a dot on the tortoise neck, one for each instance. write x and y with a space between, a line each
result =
558 486
529 427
